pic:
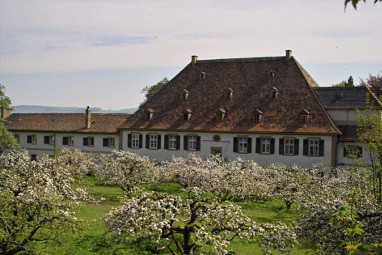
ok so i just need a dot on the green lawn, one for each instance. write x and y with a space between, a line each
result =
89 239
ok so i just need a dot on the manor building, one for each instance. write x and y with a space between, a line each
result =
267 109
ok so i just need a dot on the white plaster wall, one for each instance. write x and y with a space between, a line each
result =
227 147
343 117
341 160
40 148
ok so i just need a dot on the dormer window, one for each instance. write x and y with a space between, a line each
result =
149 113
273 93
185 94
202 75
187 114
229 93
221 113
304 116
257 116
271 73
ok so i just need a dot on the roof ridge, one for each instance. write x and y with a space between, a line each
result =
333 88
241 59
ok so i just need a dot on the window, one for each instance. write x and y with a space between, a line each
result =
172 142
49 139
109 142
265 145
187 114
153 141
32 139
149 113
314 147
68 140
273 93
353 151
242 144
303 118
191 143
17 137
288 146
135 141
88 141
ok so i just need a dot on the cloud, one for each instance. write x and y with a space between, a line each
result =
40 36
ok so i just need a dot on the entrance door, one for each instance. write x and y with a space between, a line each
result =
217 151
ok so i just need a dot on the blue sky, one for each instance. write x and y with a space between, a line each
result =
102 53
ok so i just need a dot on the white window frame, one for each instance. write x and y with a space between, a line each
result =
243 145
51 139
153 141
111 142
288 146
17 137
90 141
314 147
172 142
192 143
265 145
33 139
71 140
135 140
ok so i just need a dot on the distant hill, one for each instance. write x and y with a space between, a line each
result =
56 109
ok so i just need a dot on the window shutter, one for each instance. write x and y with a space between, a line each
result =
345 151
85 141
249 145
159 141
235 144
129 141
281 146
258 145
46 139
198 143
178 142
166 142
147 141
360 151
306 147
272 146
29 139
296 146
140 141
105 142
321 147
185 143
65 140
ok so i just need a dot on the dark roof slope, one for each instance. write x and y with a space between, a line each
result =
65 122
345 97
251 80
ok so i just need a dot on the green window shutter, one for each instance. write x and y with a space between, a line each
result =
235 144
65 140
178 142
198 143
281 146
258 145
296 146
306 147
249 145
166 142
272 146
129 140
185 143
140 141
322 143
147 141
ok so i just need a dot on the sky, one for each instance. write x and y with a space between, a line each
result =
103 53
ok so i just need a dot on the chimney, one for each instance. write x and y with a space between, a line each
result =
88 117
194 59
288 54
5 112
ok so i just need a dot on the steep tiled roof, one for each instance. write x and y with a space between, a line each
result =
345 97
65 122
252 81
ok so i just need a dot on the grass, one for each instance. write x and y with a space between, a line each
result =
90 240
